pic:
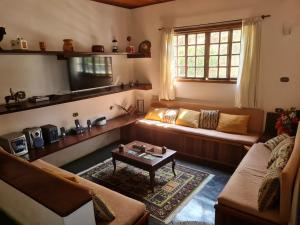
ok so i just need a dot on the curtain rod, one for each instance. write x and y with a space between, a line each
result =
262 16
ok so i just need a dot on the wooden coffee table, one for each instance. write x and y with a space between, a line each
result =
150 165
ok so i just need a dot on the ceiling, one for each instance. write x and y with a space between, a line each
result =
131 4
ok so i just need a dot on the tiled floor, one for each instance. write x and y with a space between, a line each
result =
199 208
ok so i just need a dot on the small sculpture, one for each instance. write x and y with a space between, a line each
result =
2 33
19 44
16 97
68 45
130 48
121 148
145 48
115 47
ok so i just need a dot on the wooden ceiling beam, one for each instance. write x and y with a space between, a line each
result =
132 4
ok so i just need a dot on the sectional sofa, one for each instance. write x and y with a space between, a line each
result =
220 149
238 202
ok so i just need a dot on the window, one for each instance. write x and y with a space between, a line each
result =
210 53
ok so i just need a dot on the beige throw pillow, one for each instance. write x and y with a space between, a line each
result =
156 114
237 124
188 118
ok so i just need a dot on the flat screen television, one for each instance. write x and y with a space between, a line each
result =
90 72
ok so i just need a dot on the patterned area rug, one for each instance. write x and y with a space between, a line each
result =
170 194
189 223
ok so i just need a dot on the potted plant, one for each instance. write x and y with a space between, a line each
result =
287 122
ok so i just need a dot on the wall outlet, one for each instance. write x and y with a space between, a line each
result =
75 114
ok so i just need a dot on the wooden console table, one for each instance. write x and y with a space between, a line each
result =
71 140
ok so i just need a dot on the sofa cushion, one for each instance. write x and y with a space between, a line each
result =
209 119
241 191
170 116
281 154
248 139
256 121
273 142
127 210
188 118
237 124
269 191
156 114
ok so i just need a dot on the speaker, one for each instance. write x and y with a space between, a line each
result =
50 133
34 137
14 143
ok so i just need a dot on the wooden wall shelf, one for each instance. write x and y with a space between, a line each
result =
64 55
60 99
71 140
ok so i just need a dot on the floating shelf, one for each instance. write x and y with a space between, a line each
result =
61 99
71 140
64 55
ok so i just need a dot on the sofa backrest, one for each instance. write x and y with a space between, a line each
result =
41 191
287 180
256 115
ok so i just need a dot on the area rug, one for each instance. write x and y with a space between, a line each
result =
189 223
170 194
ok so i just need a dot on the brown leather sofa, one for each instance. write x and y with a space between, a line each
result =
45 196
237 203
207 146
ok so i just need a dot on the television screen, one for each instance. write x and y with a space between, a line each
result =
90 72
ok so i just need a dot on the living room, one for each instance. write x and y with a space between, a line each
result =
164 70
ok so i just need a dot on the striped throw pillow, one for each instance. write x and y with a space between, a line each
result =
269 191
170 116
209 119
273 142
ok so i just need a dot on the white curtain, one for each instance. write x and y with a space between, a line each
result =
167 89
247 84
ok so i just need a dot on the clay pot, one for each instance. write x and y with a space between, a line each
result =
68 45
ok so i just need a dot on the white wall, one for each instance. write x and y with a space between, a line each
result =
87 23
51 21
280 54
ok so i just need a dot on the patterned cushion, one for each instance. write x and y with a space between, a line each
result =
273 142
269 191
281 153
156 114
237 124
102 210
170 116
188 118
209 119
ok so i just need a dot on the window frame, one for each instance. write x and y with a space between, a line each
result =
207 30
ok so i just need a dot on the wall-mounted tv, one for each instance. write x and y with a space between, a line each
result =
89 72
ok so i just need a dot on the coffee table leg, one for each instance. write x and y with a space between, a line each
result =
115 165
152 178
173 166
